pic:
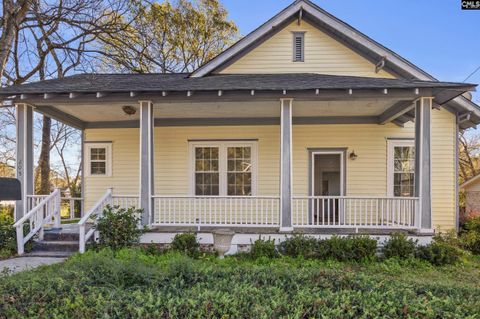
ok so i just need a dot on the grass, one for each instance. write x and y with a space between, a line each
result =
132 284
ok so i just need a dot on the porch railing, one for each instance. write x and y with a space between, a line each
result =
122 201
355 212
251 211
92 215
44 210
67 202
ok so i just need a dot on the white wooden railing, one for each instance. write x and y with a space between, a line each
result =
121 201
251 211
43 210
355 212
95 212
33 200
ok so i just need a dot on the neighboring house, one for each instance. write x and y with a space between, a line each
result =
472 194
306 124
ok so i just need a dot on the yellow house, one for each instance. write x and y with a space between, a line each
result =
305 124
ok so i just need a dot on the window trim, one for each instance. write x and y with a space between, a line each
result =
391 144
108 158
222 163
299 34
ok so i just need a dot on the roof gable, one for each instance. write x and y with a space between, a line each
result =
323 54
345 34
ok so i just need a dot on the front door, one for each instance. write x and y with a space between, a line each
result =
327 185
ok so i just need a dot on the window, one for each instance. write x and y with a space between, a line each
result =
298 46
223 168
98 159
206 171
401 168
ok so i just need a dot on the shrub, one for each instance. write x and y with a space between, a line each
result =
119 227
186 243
298 246
439 253
398 245
8 237
263 248
470 237
354 248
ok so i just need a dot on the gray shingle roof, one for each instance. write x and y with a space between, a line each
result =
83 83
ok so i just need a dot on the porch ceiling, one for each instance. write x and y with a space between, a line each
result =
101 112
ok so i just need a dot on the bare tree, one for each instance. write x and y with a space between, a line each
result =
54 39
13 14
469 152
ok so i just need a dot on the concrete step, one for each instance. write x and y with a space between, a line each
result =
61 236
57 246
54 254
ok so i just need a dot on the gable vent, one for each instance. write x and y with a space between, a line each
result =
298 46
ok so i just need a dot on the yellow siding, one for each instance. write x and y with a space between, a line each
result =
172 154
443 169
125 164
323 55
367 175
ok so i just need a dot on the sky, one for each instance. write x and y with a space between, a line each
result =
435 35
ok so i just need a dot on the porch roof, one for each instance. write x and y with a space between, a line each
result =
154 82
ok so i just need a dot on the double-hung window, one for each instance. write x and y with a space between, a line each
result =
401 168
98 159
223 168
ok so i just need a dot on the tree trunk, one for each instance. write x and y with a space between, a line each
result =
44 159
13 15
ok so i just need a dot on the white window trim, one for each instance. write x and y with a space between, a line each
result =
222 157
108 157
391 144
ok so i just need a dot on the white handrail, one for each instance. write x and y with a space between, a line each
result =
96 211
42 213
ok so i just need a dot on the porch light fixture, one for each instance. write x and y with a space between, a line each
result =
353 156
129 110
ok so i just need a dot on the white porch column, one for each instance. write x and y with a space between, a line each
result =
423 180
24 156
146 161
286 165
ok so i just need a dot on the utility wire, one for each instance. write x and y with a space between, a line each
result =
471 74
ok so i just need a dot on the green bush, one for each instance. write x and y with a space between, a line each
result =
129 284
439 253
399 246
263 248
186 243
119 227
298 246
8 237
470 237
352 248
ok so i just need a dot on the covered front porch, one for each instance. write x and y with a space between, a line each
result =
172 149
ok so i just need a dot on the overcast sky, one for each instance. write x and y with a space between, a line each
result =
435 35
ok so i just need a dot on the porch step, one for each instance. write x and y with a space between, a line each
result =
55 254
55 246
61 236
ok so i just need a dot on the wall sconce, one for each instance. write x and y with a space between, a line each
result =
129 110
353 156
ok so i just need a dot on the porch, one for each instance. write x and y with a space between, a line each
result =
286 127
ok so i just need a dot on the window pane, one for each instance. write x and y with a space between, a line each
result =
206 171
239 166
98 154
404 169
98 168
